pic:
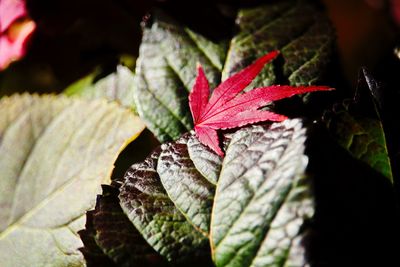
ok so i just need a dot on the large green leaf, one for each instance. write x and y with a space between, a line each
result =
357 127
144 200
117 86
55 152
262 198
204 159
298 29
166 67
110 236
189 172
93 254
188 189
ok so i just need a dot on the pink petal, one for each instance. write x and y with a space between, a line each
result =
262 96
235 84
11 50
199 96
11 10
209 137
242 118
395 4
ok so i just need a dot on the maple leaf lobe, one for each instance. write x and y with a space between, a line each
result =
200 93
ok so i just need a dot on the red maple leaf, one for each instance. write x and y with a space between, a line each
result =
227 108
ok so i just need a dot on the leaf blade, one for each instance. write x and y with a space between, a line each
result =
59 173
149 208
259 97
198 98
306 44
205 160
209 137
117 86
116 236
191 193
251 192
229 121
91 251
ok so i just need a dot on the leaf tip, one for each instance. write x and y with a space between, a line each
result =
325 88
270 56
208 136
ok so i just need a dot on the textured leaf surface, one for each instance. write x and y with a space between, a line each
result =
91 251
188 189
115 236
144 200
56 151
204 159
298 29
262 199
362 137
357 127
166 71
117 86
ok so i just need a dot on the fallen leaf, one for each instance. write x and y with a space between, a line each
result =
227 108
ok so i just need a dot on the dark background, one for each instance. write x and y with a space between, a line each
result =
73 37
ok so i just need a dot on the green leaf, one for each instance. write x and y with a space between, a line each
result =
357 127
204 159
144 200
191 193
213 51
298 29
262 198
168 55
114 236
166 70
117 86
91 251
56 151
